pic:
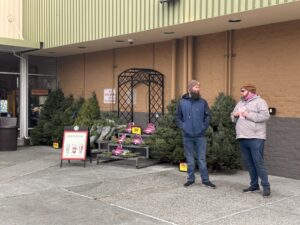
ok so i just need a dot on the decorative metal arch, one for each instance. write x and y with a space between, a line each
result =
128 80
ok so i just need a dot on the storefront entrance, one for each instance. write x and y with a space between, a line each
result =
9 94
41 77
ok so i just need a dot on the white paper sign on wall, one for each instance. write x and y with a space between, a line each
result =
109 96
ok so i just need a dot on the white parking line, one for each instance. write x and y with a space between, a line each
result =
140 213
84 196
250 209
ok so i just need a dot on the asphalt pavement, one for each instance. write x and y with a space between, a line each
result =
34 189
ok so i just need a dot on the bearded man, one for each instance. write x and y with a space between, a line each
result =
192 117
250 115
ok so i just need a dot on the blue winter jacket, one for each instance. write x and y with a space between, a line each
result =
192 116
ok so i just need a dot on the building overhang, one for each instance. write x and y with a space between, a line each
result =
17 45
235 21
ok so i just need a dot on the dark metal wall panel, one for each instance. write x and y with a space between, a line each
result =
282 149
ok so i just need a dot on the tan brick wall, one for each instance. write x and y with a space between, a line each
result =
268 56
163 64
154 56
209 64
71 75
82 74
99 76
179 85
136 57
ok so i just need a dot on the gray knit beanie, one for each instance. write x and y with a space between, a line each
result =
191 84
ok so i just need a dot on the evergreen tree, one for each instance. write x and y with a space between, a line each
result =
65 117
89 112
222 148
166 142
50 118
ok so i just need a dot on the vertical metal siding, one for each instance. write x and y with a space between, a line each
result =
13 10
63 22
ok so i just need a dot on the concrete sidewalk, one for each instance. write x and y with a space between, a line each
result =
35 190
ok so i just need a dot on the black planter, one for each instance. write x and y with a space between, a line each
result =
8 134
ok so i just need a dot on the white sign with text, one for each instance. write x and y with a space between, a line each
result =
109 96
74 145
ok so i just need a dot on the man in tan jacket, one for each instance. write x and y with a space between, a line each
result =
250 115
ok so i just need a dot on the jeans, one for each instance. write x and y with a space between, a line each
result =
253 154
195 146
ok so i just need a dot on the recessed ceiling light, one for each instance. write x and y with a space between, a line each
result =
234 20
119 41
169 32
81 47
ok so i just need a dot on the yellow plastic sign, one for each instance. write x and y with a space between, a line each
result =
183 167
55 145
136 130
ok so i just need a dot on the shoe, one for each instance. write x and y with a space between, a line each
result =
251 189
118 151
137 139
129 126
266 192
209 184
188 183
122 139
150 129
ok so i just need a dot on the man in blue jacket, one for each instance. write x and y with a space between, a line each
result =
192 117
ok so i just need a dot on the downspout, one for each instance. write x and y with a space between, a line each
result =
190 58
187 61
173 69
24 91
228 63
114 66
185 65
23 95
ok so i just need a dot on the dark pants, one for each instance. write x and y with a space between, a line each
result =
253 154
195 146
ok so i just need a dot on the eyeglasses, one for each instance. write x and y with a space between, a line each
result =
243 90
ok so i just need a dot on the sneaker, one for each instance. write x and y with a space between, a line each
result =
266 192
188 183
209 184
251 189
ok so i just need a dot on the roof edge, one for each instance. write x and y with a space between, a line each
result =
17 45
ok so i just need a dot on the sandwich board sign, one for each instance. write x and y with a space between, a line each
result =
75 144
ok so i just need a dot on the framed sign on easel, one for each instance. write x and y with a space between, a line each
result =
75 144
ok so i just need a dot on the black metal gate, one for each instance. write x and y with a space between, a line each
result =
128 80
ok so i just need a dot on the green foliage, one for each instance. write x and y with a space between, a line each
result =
166 142
109 115
55 115
222 148
59 112
89 112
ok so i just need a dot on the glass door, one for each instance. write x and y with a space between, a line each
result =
9 94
